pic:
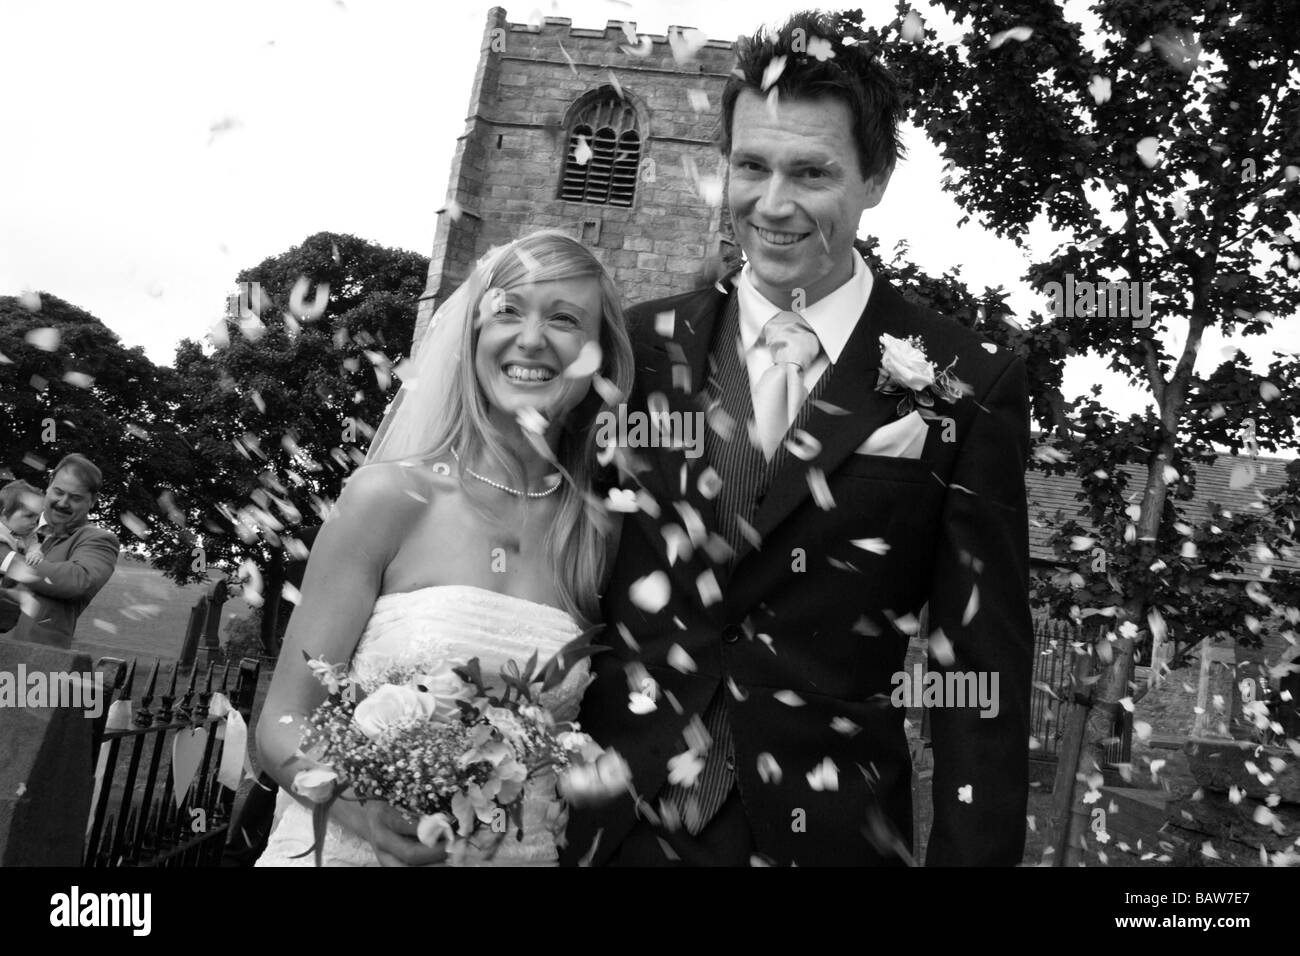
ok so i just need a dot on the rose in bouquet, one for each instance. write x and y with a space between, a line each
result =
448 752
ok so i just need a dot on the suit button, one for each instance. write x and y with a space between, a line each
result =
732 633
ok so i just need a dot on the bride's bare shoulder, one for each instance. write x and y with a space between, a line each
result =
390 490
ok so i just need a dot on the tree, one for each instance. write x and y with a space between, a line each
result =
1164 150
67 384
282 404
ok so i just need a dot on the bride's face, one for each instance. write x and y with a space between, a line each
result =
529 336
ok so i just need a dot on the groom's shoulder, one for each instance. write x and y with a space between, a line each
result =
641 316
945 338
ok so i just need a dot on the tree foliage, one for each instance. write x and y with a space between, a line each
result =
280 404
1163 148
67 384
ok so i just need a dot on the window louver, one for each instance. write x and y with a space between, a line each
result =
604 154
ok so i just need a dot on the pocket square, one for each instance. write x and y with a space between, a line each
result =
901 439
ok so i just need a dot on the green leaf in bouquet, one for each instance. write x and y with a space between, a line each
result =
320 815
530 668
566 658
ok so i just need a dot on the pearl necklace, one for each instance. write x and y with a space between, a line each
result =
518 494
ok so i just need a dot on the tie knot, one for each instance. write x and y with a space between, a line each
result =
791 339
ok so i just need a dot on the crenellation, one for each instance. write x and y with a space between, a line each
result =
524 88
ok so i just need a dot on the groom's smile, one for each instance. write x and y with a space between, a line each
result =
796 193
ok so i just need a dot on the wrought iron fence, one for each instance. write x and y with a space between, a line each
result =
137 819
1054 652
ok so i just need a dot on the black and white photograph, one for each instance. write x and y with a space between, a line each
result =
628 435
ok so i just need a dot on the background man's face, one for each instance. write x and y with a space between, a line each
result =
67 500
796 193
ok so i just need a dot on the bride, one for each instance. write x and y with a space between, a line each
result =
458 538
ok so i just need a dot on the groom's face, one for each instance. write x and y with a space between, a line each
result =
796 193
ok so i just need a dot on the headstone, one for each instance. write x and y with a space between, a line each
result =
46 768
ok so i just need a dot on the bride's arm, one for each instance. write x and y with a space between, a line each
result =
342 581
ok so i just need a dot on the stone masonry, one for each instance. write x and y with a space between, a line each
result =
508 164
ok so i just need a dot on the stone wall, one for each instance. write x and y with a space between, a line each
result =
508 163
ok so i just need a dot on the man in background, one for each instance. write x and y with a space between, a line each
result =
77 558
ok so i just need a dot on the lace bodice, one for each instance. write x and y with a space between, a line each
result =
424 629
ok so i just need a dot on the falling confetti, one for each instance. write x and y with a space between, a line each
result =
825 776
640 703
1148 150
651 592
913 29
775 67
874 545
789 698
1020 34
587 363
1099 87
941 648
966 794
699 100
685 768
46 339
769 771
298 295
679 660
972 605
31 301
819 48
134 524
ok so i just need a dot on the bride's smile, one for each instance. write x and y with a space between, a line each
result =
531 335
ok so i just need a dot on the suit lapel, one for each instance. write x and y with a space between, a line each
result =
851 390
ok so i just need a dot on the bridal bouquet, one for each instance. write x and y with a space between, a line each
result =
449 753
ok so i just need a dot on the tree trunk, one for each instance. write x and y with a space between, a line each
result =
1114 659
273 580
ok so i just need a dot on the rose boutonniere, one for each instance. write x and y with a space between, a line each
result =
906 370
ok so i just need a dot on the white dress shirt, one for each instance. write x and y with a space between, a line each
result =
833 318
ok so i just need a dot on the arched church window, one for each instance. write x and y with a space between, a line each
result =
603 154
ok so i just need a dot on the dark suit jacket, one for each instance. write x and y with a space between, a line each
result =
77 564
954 519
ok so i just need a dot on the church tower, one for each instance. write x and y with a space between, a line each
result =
606 134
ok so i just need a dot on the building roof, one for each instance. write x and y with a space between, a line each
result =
1050 493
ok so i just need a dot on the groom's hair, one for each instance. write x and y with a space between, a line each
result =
854 76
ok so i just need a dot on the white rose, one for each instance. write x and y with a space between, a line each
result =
905 363
317 785
445 687
434 830
391 706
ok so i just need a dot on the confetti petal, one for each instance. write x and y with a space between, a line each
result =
651 592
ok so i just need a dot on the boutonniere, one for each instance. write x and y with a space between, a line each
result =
906 370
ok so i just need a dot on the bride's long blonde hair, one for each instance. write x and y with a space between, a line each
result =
577 541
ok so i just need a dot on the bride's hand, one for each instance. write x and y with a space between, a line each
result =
393 837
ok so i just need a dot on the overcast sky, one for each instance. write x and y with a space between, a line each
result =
151 150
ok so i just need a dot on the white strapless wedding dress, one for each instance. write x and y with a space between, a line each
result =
425 629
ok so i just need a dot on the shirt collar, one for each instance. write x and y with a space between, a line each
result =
832 317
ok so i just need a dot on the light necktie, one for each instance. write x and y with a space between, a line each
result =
780 391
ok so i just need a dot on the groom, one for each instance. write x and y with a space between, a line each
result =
763 594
